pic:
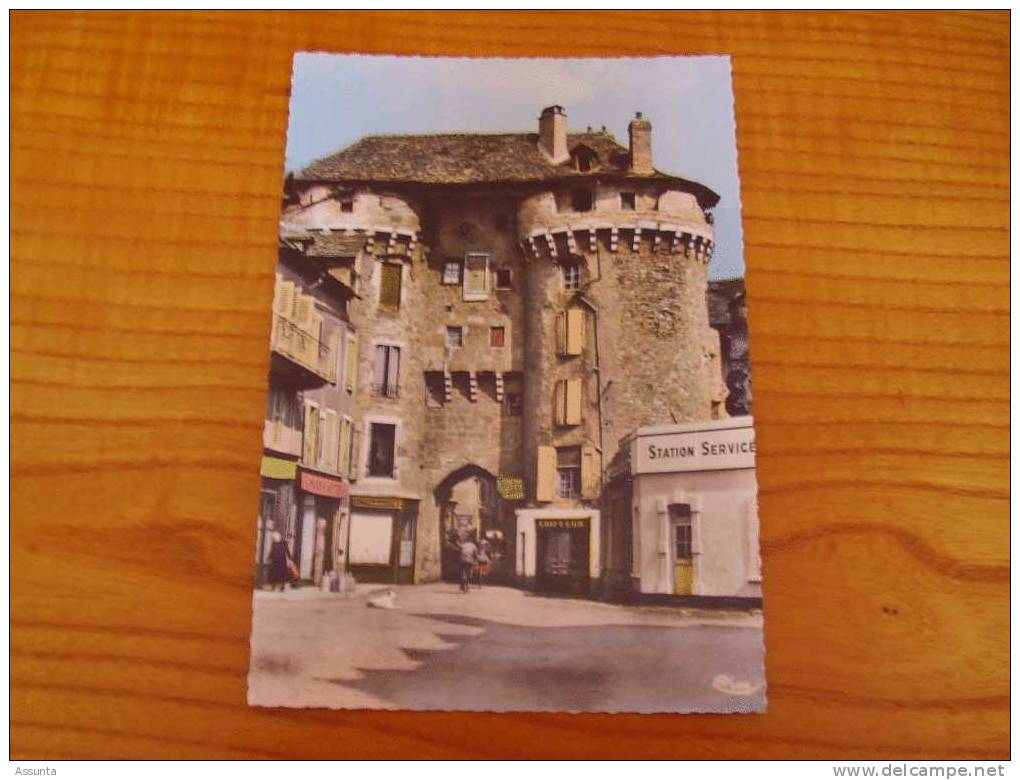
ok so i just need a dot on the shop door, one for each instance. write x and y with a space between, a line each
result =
683 559
563 556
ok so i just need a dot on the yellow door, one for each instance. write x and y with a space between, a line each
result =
683 563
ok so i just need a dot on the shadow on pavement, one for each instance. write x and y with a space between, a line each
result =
606 668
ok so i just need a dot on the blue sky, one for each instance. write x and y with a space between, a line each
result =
337 98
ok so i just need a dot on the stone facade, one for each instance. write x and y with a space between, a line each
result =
542 296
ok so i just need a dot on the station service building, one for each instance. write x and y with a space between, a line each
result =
495 313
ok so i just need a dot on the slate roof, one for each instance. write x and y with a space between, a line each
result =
478 158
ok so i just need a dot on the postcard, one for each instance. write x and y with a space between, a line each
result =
508 453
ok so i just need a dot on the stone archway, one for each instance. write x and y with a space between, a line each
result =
470 505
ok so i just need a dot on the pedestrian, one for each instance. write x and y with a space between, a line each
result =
468 559
484 561
280 563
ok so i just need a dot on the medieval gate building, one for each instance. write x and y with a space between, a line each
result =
517 303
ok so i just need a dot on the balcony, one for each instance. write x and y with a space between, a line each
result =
298 356
280 437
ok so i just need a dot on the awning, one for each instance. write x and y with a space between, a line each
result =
278 468
322 485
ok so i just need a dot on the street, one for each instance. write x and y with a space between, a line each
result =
501 649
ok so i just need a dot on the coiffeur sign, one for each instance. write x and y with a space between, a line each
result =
321 485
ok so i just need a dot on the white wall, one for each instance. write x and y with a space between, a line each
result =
724 531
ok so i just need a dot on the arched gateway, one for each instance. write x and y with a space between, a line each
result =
470 506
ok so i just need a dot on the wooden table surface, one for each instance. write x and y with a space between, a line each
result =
146 159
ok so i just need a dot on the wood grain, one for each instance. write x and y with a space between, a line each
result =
146 155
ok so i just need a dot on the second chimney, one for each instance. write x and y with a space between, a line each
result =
552 134
640 130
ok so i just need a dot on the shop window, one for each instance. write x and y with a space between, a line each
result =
451 272
386 371
497 336
381 450
476 276
570 273
582 200
454 336
568 472
628 201
389 285
504 279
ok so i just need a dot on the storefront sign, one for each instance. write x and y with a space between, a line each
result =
562 523
694 450
377 502
321 485
277 468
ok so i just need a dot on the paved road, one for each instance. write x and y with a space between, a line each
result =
503 650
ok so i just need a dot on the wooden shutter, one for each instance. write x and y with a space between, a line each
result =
351 363
574 341
314 337
330 440
389 286
561 333
283 301
591 472
344 457
393 371
567 402
545 474
311 434
334 354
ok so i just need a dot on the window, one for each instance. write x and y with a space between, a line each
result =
330 440
628 201
497 336
567 402
570 332
571 275
310 445
451 272
389 285
386 371
476 276
504 279
582 200
381 450
347 205
351 363
568 472
454 336
513 404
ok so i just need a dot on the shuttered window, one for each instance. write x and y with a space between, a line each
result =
344 454
351 363
310 448
567 402
570 332
330 440
389 285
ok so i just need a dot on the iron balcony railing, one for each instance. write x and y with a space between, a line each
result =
301 347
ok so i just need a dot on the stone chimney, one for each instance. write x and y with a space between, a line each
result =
552 134
640 131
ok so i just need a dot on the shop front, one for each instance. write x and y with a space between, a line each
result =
381 539
695 518
277 511
557 550
324 509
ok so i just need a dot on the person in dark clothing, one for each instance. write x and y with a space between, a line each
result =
279 563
